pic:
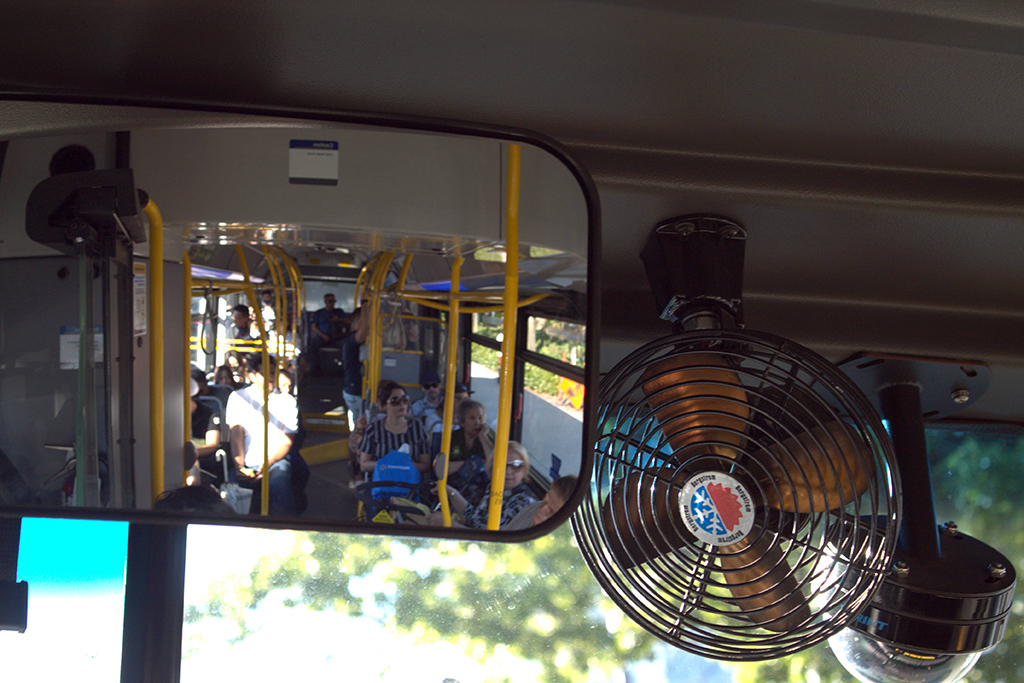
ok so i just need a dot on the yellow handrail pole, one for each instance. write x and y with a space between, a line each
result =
508 342
291 301
375 336
276 284
475 309
360 285
405 272
187 263
300 294
219 287
276 277
360 281
449 390
156 349
251 293
293 279
370 270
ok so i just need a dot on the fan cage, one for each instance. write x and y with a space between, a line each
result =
792 402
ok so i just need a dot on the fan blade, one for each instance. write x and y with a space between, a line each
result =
844 471
698 399
642 516
765 589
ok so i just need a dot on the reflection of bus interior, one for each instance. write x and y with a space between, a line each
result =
483 262
412 334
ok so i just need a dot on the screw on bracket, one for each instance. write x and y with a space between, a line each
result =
961 396
996 570
901 570
950 529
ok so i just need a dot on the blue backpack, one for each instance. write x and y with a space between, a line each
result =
395 467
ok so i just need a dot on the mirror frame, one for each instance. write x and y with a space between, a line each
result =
385 121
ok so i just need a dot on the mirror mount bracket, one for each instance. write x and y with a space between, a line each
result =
85 212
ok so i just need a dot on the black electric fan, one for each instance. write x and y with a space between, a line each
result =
735 473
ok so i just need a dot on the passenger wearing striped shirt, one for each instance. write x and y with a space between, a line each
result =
397 428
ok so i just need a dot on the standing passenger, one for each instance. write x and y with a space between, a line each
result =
330 325
352 368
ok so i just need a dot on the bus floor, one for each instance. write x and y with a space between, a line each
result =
328 492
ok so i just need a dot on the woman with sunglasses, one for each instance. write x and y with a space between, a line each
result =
397 428
517 494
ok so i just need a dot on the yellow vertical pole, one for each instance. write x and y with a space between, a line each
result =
449 387
361 283
299 286
277 278
187 263
363 277
405 272
508 342
251 293
375 337
156 349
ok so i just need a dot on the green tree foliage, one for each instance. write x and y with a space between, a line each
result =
540 601
536 599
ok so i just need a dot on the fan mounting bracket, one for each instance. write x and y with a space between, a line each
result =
946 386
695 267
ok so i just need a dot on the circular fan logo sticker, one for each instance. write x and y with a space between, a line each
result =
716 508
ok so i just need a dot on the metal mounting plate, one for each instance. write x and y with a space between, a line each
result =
943 382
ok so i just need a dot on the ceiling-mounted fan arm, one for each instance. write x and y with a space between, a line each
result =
900 405
695 267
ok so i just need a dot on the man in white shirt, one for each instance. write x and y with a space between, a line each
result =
245 420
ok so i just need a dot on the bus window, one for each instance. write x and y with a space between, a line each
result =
564 341
553 422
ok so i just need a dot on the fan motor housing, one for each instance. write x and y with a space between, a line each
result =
955 604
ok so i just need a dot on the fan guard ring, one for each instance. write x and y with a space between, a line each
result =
823 530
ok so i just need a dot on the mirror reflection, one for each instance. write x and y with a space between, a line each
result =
348 325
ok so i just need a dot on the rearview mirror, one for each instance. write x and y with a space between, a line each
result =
348 310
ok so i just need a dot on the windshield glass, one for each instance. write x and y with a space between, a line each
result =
394 609
75 570
411 609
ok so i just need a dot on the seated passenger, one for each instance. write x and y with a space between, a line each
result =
205 438
358 431
245 420
396 428
352 367
225 376
199 377
433 395
473 438
285 381
328 327
434 421
516 496
472 448
541 511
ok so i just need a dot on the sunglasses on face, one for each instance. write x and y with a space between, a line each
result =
398 400
515 464
431 385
